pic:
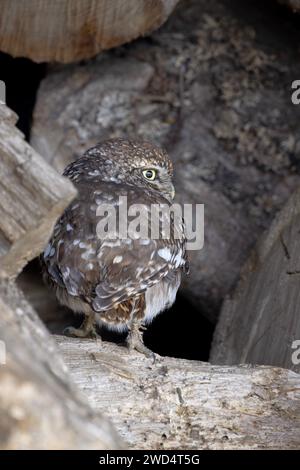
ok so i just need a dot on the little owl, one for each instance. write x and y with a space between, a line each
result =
119 282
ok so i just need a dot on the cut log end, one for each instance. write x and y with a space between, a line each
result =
76 29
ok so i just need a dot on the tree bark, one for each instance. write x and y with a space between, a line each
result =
181 404
32 197
72 30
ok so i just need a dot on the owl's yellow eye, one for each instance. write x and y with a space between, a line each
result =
149 174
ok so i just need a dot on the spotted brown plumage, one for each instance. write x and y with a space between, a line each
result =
115 281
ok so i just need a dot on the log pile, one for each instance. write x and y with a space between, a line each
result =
208 89
56 395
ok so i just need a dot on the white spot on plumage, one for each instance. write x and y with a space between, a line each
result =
159 297
117 259
110 244
165 253
47 250
178 259
144 241
66 272
89 253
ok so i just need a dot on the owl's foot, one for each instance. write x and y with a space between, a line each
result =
81 333
86 330
135 342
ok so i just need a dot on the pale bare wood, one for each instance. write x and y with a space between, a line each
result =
32 197
40 408
180 404
71 30
169 404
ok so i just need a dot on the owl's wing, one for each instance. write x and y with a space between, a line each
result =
131 268
132 265
70 258
106 270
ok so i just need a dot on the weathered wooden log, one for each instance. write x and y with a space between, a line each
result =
32 197
213 92
180 404
71 30
40 408
260 321
168 404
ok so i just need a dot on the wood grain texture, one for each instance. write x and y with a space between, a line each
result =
71 30
32 196
40 408
260 320
180 404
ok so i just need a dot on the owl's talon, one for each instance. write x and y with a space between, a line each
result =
135 343
94 335
81 333
86 330
72 331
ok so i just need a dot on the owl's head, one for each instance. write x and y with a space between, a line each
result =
132 162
